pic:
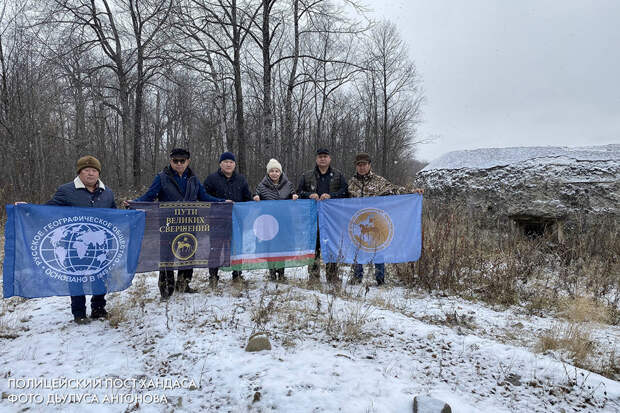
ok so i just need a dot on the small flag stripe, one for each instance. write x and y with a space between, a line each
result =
271 259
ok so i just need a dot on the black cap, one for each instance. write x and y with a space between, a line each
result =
179 153
322 151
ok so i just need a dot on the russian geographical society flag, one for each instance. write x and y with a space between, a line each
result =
53 250
385 229
273 234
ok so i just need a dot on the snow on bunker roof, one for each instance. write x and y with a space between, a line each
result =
486 158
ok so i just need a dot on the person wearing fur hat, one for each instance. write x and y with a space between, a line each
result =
228 184
86 190
176 182
275 185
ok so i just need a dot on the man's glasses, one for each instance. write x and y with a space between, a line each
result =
181 161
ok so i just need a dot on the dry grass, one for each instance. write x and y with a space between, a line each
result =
8 319
573 338
118 314
296 316
498 264
583 309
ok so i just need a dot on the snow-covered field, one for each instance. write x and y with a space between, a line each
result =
365 349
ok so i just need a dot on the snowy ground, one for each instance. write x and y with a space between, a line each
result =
362 350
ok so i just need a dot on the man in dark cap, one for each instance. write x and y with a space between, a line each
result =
86 190
322 182
366 183
176 182
228 184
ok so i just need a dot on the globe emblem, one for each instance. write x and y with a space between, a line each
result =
79 249
371 230
184 246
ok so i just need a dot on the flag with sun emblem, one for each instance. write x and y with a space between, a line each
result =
273 234
382 229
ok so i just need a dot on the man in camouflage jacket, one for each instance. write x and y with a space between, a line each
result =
366 183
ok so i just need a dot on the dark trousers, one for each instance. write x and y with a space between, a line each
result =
358 271
166 280
213 273
78 304
276 273
331 268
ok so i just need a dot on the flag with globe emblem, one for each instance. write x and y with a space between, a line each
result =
273 234
51 250
386 229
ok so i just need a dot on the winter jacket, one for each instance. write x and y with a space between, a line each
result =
267 190
372 184
75 194
168 186
332 182
234 188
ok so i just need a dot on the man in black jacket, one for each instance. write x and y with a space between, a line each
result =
228 184
176 182
322 182
86 190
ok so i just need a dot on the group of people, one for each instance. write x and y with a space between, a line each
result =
177 182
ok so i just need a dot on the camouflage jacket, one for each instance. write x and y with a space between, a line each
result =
372 184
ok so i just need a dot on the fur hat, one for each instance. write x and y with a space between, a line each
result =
227 156
273 164
88 161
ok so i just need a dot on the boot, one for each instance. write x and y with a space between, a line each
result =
166 283
273 275
331 273
236 277
81 319
99 313
314 272
213 279
280 275
182 286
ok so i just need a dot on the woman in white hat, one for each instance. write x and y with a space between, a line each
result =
275 185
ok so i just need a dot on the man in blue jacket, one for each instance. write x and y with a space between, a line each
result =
86 190
176 182
228 184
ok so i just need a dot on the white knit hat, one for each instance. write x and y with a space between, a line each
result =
273 164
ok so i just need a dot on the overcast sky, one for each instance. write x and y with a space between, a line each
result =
499 73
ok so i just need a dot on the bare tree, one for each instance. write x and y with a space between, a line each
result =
395 90
129 45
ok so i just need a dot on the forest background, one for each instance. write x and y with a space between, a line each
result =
127 80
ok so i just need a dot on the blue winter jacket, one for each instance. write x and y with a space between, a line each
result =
168 186
75 194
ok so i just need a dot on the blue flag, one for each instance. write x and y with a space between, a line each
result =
273 234
185 234
52 250
386 229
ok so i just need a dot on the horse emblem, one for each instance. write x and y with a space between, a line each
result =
184 246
